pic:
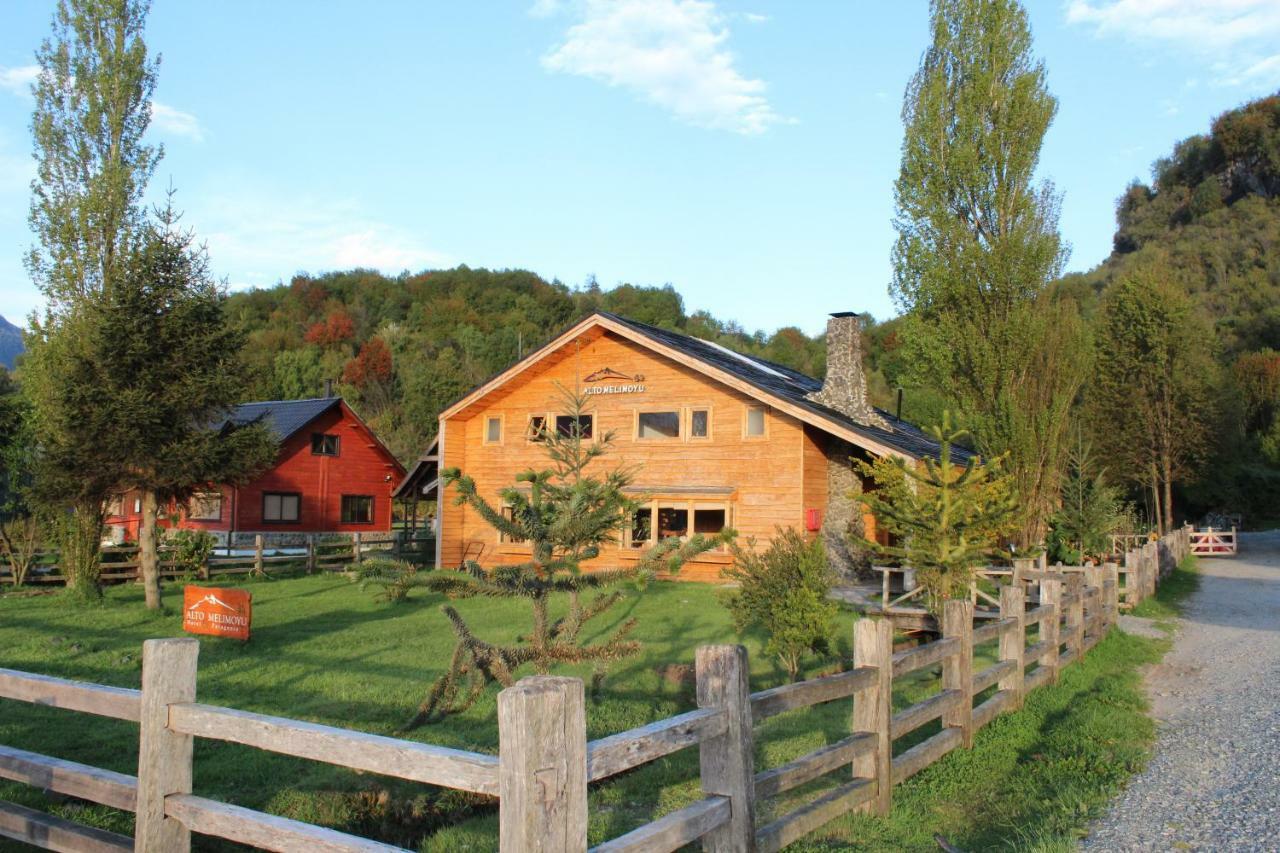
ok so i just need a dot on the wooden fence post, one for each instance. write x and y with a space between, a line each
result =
1075 614
164 756
1132 590
1051 595
1154 558
311 553
355 548
728 760
259 568
1095 616
957 669
542 766
1013 640
873 708
1110 593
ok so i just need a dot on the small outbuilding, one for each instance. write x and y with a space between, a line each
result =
332 474
716 439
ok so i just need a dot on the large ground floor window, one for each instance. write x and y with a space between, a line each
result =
357 509
666 518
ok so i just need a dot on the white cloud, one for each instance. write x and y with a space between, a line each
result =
166 119
257 239
18 80
755 17
670 52
1238 37
175 122
16 171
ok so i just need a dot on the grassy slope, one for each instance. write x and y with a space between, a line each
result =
324 651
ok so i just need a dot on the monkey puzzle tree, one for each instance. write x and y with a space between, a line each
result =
949 517
566 514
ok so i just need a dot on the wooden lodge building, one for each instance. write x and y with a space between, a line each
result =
715 438
332 475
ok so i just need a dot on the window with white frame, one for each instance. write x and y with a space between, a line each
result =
493 430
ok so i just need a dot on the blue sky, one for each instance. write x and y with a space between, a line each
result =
742 150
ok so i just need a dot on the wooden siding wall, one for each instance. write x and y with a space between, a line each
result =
763 478
814 464
361 468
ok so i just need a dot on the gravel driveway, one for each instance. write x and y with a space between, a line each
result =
1214 782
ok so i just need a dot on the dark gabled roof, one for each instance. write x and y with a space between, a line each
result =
793 386
423 472
283 417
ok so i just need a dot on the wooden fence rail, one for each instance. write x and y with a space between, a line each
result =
1046 620
312 552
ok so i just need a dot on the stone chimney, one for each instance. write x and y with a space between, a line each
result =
845 388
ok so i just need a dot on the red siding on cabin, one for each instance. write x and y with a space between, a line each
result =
362 467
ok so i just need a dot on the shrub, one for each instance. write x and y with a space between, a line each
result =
191 550
784 591
19 544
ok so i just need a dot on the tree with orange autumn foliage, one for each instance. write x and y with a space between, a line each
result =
332 330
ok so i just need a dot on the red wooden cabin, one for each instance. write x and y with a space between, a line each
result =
332 475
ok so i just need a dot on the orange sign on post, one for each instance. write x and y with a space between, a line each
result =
217 611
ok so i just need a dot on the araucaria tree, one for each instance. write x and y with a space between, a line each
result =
978 246
1091 508
1151 400
565 514
949 517
92 108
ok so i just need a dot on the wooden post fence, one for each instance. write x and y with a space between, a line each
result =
1013 640
542 739
728 760
545 761
259 567
1051 595
873 708
164 756
957 669
1075 615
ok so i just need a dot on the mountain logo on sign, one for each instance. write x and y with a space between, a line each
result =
606 374
216 602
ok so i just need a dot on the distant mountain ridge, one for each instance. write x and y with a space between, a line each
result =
10 343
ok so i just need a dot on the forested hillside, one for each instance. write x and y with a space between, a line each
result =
1210 220
1213 208
402 348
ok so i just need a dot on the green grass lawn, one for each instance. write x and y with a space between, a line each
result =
325 651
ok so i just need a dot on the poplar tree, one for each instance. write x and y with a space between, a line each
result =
92 108
978 245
